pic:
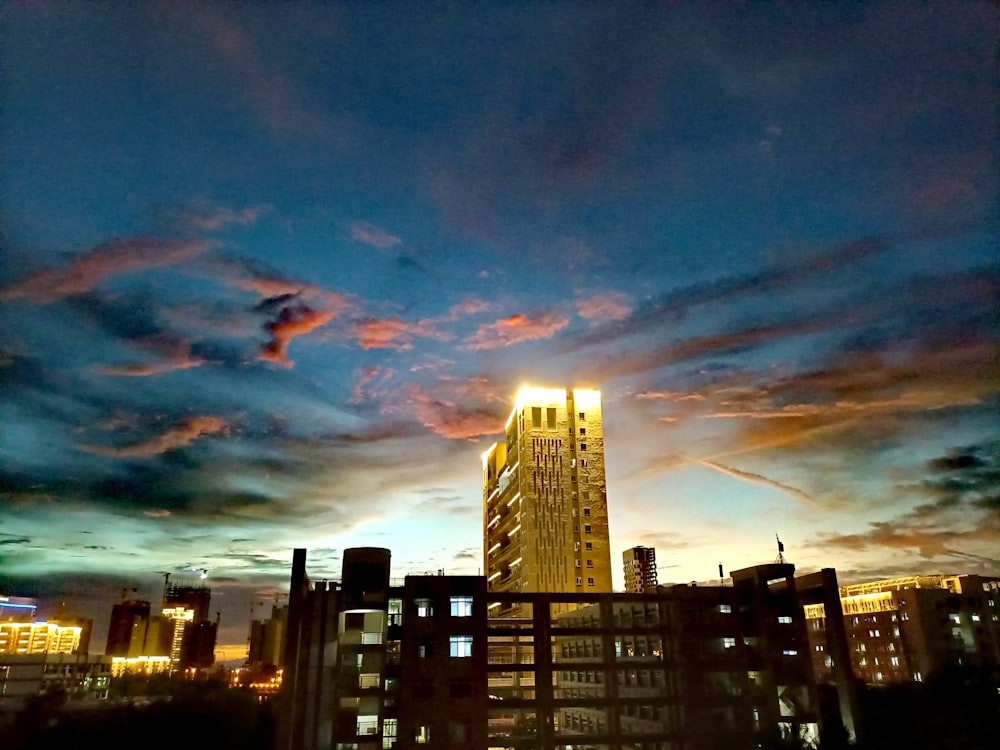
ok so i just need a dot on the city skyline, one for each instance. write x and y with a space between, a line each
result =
272 276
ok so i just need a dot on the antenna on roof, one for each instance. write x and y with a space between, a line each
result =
781 550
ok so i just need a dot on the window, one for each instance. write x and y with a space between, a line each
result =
389 729
582 431
550 418
589 546
583 446
579 581
577 563
726 609
590 563
369 680
536 417
458 732
460 645
354 621
790 652
422 735
729 643
590 581
424 650
586 512
586 528
461 606
784 619
395 611
576 546
582 416
425 607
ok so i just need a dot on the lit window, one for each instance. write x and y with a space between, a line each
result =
577 563
425 608
975 617
917 677
790 652
422 735
460 645
725 609
785 620
955 618
729 643
461 606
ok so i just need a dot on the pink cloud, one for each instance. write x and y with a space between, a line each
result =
612 306
176 437
291 322
214 219
468 306
515 330
176 356
450 420
366 377
101 263
393 333
372 235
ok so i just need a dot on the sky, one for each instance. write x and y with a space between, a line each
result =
271 275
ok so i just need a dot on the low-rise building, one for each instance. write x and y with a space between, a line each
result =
79 677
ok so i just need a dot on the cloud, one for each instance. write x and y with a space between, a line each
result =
362 231
961 518
176 354
467 306
176 437
393 333
101 263
366 377
759 479
516 329
612 306
455 408
219 218
292 321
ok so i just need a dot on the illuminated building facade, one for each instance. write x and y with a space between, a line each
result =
904 629
640 569
372 665
545 510
39 638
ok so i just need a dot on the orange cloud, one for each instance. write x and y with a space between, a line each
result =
177 356
101 263
176 437
612 306
515 330
372 235
468 306
292 322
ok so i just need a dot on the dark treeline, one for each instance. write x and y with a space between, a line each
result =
205 715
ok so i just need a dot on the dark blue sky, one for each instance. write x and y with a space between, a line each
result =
272 273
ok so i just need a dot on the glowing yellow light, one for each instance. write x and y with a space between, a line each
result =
495 575
493 549
514 499
486 454
514 530
586 398
534 394
516 562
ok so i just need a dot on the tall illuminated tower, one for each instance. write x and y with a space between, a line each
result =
545 510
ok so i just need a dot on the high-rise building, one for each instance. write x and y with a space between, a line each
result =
127 629
545 510
640 570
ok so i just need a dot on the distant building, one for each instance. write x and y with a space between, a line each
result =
81 678
371 665
905 629
17 609
128 629
545 511
640 569
267 639
40 638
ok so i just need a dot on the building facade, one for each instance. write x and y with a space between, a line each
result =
640 569
373 665
904 629
81 678
545 509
